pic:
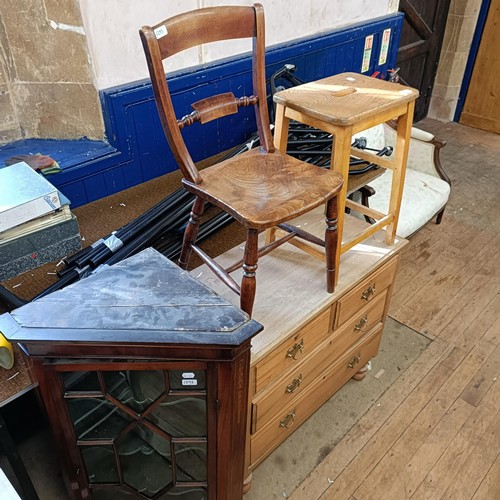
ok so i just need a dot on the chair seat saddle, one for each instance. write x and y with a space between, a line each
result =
262 188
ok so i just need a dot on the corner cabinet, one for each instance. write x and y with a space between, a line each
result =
144 375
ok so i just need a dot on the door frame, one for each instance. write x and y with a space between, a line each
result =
471 60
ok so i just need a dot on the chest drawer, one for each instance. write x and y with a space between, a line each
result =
295 413
291 352
288 388
365 292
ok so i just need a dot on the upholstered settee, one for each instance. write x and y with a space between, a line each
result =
426 188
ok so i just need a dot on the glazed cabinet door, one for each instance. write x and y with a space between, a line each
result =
136 433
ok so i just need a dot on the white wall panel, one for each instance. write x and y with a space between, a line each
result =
117 57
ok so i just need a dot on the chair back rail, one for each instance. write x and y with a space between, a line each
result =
187 30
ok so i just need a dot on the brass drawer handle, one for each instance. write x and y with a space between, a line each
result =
369 293
361 324
296 350
293 385
288 421
354 361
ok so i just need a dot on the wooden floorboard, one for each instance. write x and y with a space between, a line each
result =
435 434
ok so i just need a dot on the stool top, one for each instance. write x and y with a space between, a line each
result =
345 98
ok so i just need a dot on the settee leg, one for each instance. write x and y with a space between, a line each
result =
439 217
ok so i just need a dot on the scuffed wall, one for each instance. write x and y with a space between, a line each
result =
56 54
117 56
47 85
9 123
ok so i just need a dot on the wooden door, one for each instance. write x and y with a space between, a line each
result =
482 103
420 46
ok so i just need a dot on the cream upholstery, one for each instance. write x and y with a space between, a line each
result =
426 189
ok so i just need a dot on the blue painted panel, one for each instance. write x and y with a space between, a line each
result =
137 150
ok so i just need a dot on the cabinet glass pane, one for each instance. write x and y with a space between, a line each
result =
191 461
179 493
181 416
114 494
80 382
94 418
100 464
135 389
145 461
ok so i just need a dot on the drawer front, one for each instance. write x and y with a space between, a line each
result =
295 413
288 388
366 291
293 351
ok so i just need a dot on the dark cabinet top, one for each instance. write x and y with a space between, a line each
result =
144 299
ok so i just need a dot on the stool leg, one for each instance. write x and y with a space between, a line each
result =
248 282
331 247
191 232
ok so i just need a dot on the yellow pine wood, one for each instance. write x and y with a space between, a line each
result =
388 163
273 365
482 107
369 231
353 301
274 396
364 210
337 374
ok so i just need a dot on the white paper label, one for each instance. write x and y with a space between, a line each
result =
367 54
384 46
189 381
161 31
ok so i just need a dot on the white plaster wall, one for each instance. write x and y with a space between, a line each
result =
115 49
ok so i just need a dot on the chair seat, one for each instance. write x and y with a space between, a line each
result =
261 190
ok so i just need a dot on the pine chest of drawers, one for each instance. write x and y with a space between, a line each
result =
313 342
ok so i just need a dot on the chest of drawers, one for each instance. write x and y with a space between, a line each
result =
313 342
301 373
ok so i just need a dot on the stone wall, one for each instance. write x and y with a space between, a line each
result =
46 83
460 27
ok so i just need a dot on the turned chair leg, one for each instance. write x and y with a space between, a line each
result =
191 232
331 236
248 282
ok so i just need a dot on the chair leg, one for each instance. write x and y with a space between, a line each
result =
248 282
331 236
191 232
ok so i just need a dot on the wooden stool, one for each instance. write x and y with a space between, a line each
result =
343 105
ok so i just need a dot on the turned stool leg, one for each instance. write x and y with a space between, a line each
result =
248 283
331 237
191 232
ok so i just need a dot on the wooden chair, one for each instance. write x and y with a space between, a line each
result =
261 188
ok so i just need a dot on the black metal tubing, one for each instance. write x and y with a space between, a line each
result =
10 300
